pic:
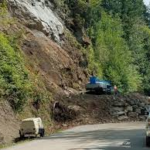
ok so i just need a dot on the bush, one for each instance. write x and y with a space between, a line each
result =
14 82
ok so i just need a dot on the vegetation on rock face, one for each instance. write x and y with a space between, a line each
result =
119 49
136 34
14 82
16 85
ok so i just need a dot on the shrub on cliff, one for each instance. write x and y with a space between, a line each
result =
14 81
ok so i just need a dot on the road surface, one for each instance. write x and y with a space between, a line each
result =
122 136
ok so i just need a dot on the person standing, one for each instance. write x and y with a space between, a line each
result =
115 89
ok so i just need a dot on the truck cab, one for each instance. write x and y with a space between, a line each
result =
99 86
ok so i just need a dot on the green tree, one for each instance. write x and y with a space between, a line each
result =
113 54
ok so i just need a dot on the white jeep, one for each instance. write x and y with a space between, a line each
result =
31 127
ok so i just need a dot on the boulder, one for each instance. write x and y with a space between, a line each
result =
119 113
143 111
75 108
119 104
133 114
137 102
129 109
121 118
142 104
131 102
118 109
135 107
142 118
138 110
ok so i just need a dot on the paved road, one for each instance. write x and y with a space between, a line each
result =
123 136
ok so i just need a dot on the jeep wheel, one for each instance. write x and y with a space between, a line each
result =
21 135
42 133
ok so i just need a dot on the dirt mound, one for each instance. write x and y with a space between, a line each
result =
9 125
90 109
52 63
63 113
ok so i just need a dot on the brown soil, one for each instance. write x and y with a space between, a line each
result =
9 125
90 109
54 65
67 112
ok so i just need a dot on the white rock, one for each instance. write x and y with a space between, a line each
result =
40 13
120 113
121 118
117 109
129 109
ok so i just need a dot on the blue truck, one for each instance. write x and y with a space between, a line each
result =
99 86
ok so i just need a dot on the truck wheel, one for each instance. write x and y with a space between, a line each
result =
147 141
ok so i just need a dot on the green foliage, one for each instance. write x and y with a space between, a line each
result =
120 40
16 86
134 19
129 11
4 16
93 65
120 48
14 82
3 9
143 56
113 54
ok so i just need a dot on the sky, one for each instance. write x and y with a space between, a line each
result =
146 2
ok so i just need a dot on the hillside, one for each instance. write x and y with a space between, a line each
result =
40 62
49 49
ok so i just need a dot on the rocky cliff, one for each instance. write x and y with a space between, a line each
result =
52 50
40 16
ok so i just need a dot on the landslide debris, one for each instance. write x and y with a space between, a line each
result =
90 109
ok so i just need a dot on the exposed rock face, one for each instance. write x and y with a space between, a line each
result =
52 63
60 66
100 108
133 107
37 14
